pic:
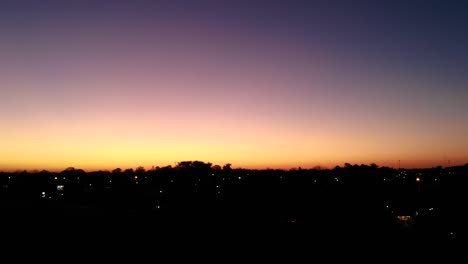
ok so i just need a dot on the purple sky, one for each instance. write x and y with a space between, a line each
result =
272 84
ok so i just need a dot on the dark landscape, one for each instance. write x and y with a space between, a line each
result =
343 202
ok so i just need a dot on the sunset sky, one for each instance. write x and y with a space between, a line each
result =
279 84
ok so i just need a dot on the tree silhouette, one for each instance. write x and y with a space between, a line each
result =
227 167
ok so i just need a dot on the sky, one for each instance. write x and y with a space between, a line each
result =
259 84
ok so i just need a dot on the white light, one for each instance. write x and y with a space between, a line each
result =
336 179
431 209
56 178
136 177
43 195
158 207
240 177
60 188
172 180
160 191
217 186
387 206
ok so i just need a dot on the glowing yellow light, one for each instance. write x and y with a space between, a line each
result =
418 179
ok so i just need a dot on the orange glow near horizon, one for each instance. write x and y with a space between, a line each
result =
114 92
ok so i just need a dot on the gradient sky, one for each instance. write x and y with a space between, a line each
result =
279 84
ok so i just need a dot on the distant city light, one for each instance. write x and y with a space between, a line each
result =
418 179
60 188
43 195
431 209
160 191
217 186
56 178
240 177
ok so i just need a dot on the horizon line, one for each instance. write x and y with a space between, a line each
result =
316 167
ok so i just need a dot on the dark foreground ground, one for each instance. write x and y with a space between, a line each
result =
195 202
